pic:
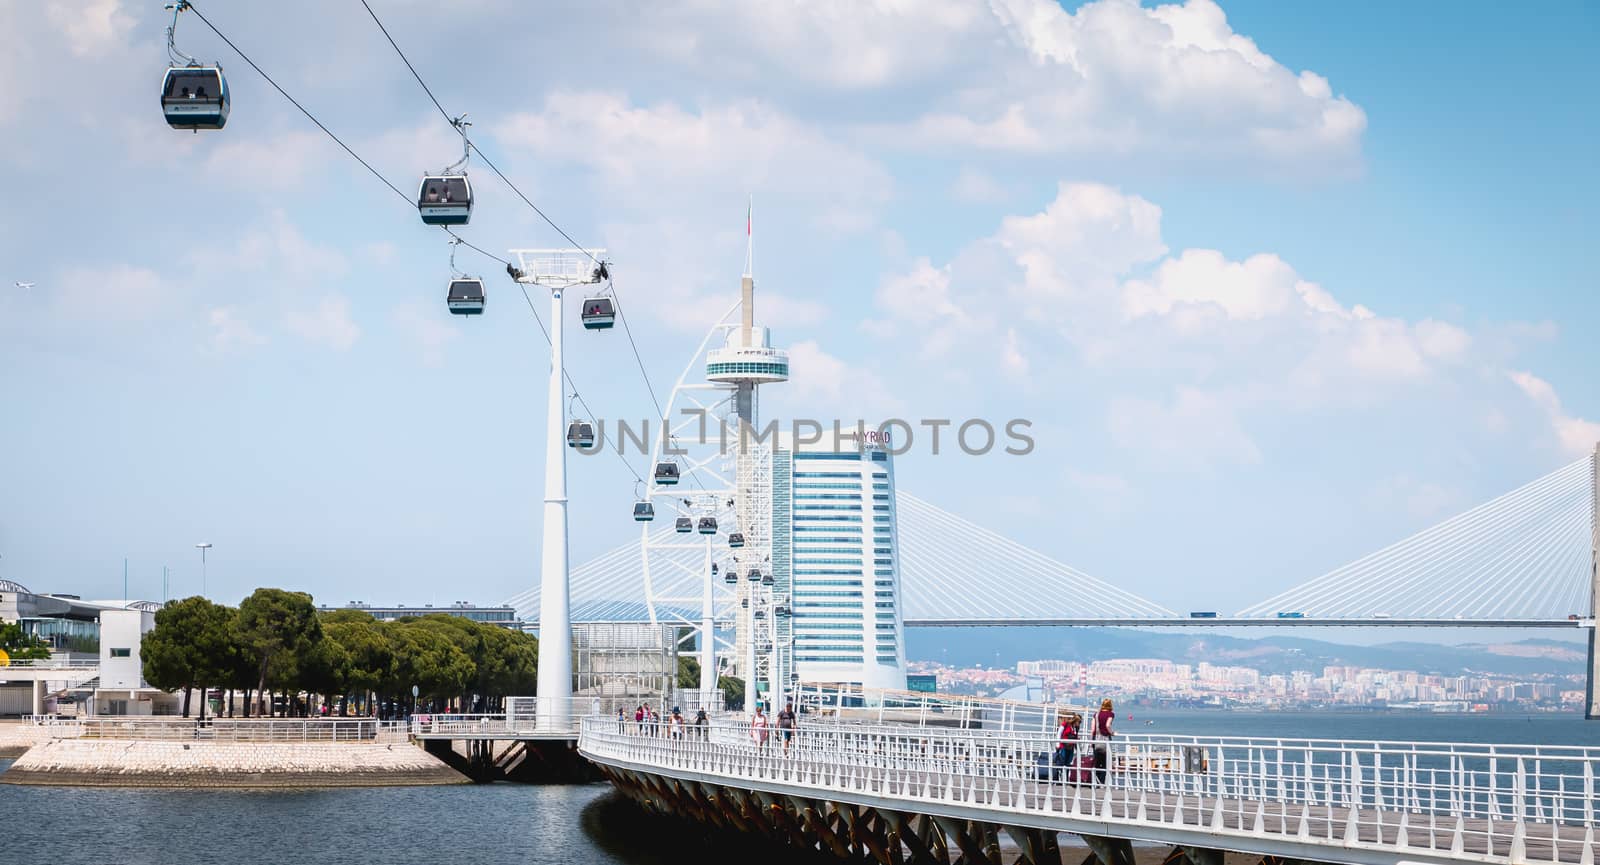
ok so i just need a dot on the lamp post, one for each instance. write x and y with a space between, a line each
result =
202 547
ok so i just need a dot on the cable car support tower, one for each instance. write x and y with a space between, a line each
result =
556 270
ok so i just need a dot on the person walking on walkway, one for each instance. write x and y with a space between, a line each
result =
1102 736
786 726
758 727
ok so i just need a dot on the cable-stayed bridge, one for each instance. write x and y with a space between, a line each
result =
1524 559
1527 559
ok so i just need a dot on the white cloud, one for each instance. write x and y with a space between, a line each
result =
91 28
230 331
973 186
675 181
1192 339
824 387
1117 78
118 292
842 44
275 162
1575 435
424 326
1192 430
328 323
666 152
1418 500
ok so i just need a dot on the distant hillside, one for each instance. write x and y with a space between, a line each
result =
1003 647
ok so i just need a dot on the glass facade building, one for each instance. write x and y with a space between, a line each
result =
836 555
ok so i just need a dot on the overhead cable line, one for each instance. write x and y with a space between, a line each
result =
385 181
456 124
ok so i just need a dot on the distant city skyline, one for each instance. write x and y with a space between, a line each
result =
1277 286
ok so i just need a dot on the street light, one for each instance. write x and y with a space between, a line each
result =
202 547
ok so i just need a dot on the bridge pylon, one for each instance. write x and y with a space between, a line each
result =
1592 701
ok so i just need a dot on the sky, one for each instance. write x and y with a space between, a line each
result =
1275 284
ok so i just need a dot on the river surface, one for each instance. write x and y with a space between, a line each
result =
510 824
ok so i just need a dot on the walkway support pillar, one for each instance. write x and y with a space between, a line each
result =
38 696
1592 708
1111 851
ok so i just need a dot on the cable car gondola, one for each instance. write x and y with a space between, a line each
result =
195 97
735 540
768 580
684 525
643 512
666 473
580 434
465 297
731 578
445 199
755 576
599 312
707 525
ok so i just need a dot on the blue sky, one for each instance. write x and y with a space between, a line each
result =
1277 283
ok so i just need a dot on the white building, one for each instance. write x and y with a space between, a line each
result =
95 658
835 554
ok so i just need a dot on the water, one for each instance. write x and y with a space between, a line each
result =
508 824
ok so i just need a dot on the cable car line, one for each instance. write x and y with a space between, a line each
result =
285 94
455 123
402 196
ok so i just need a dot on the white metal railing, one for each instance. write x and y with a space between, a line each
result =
850 703
51 664
228 729
1493 801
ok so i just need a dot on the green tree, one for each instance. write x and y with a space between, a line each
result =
367 651
429 659
688 672
190 647
21 645
732 690
278 629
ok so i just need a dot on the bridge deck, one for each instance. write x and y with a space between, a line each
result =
1331 802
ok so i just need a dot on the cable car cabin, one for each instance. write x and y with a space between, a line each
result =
466 297
768 579
599 313
666 474
643 512
445 200
684 524
736 539
761 614
755 575
580 434
731 578
195 97
707 525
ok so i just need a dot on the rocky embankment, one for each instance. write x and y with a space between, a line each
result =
16 738
143 763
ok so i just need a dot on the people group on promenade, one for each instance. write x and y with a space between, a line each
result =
1082 752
